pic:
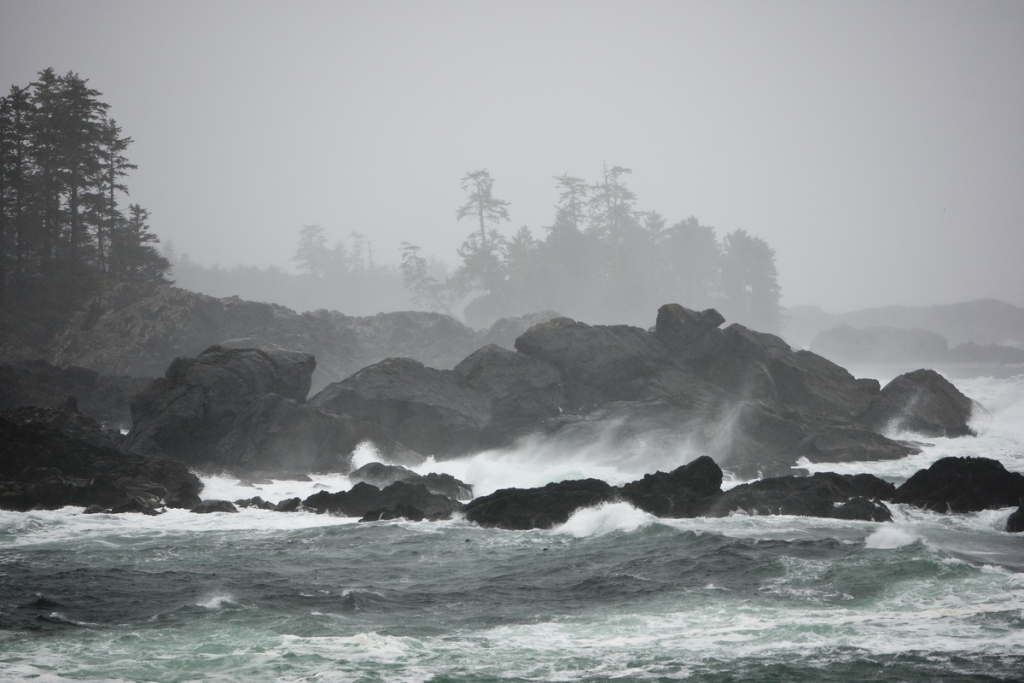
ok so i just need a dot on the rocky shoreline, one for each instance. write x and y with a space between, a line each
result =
745 398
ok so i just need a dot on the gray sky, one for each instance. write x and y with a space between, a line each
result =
877 146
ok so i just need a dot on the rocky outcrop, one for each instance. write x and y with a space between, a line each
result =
744 397
430 411
962 485
208 506
276 434
38 383
1015 522
539 508
923 402
188 411
693 490
137 332
363 499
825 494
53 457
382 475
683 492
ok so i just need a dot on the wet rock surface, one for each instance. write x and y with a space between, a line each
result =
962 485
53 457
364 498
188 411
923 402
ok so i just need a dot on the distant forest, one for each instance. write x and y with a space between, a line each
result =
601 261
64 235
63 232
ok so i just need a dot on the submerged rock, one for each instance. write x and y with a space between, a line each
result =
208 506
381 475
364 498
962 485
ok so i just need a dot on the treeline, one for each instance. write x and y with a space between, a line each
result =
341 276
62 174
602 260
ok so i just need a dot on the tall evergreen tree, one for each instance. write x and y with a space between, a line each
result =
114 167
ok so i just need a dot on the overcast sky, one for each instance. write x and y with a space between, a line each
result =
877 146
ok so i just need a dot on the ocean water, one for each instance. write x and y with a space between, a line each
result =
613 594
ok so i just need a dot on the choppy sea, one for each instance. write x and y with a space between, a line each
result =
614 594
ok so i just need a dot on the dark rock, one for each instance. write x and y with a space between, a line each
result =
863 508
1015 522
289 505
430 411
381 475
139 333
538 508
683 492
613 361
95 509
962 485
50 458
923 402
766 438
185 413
522 390
276 434
38 383
208 506
255 502
814 496
689 335
753 365
364 498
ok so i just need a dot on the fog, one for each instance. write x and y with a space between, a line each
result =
877 147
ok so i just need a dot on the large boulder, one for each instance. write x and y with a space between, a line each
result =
538 508
522 390
604 362
277 434
825 494
430 411
53 457
188 411
923 402
364 498
689 335
962 485
683 492
753 365
1015 522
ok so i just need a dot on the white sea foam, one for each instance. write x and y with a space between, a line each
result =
604 519
218 602
890 536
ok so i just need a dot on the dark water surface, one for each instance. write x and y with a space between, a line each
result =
613 595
